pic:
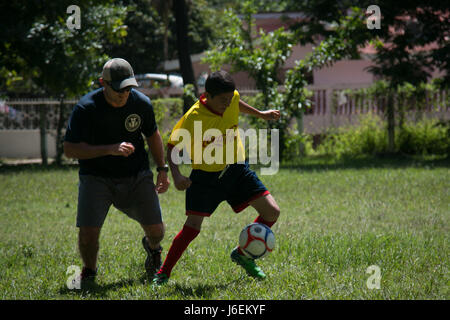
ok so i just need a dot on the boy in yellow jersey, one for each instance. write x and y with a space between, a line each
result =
209 136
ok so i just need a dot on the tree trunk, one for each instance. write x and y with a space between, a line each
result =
59 142
184 56
165 13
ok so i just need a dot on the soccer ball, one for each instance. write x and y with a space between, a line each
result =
256 240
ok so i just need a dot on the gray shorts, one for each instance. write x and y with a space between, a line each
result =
134 196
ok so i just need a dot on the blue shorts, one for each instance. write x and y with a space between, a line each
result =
237 184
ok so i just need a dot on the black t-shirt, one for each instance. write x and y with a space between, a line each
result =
95 122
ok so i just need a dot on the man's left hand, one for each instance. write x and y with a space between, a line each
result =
162 182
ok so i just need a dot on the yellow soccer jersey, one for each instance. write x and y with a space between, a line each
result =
212 140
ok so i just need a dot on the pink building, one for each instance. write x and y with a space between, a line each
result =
344 72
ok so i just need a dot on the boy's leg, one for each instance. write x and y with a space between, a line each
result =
179 244
269 212
202 199
267 209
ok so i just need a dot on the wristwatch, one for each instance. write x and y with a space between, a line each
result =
164 168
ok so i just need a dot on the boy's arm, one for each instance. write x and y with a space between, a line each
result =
181 182
265 115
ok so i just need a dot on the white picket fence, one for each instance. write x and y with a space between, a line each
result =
20 133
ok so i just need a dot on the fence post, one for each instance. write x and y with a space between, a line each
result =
59 142
43 133
329 106
390 114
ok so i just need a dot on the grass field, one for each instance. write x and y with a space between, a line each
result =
337 219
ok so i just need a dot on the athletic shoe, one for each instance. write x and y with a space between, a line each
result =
88 274
87 279
248 264
160 279
153 260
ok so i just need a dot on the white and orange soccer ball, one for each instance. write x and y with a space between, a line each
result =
256 240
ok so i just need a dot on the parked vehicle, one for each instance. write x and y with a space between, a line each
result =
159 80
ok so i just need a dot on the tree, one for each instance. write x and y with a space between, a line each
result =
163 7
148 33
263 55
184 52
411 43
151 32
60 61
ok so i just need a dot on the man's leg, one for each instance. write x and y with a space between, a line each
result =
94 200
88 244
154 233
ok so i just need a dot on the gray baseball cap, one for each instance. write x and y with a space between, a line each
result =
119 73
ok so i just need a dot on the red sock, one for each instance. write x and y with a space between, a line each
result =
267 223
179 244
260 220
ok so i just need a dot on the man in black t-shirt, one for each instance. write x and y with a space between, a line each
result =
105 133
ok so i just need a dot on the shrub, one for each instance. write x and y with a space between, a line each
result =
367 138
297 145
167 112
429 136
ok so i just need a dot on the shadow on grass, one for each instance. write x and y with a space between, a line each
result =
35 167
96 290
309 163
203 291
389 161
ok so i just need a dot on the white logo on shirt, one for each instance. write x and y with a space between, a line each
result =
132 122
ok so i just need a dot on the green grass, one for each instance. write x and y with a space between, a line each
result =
337 219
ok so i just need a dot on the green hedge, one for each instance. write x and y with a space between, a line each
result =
425 137
428 136
369 137
167 112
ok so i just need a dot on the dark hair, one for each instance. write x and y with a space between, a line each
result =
219 82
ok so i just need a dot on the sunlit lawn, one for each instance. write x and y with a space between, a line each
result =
337 219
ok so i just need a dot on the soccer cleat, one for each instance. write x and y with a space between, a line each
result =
153 260
88 274
160 279
248 264
87 279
